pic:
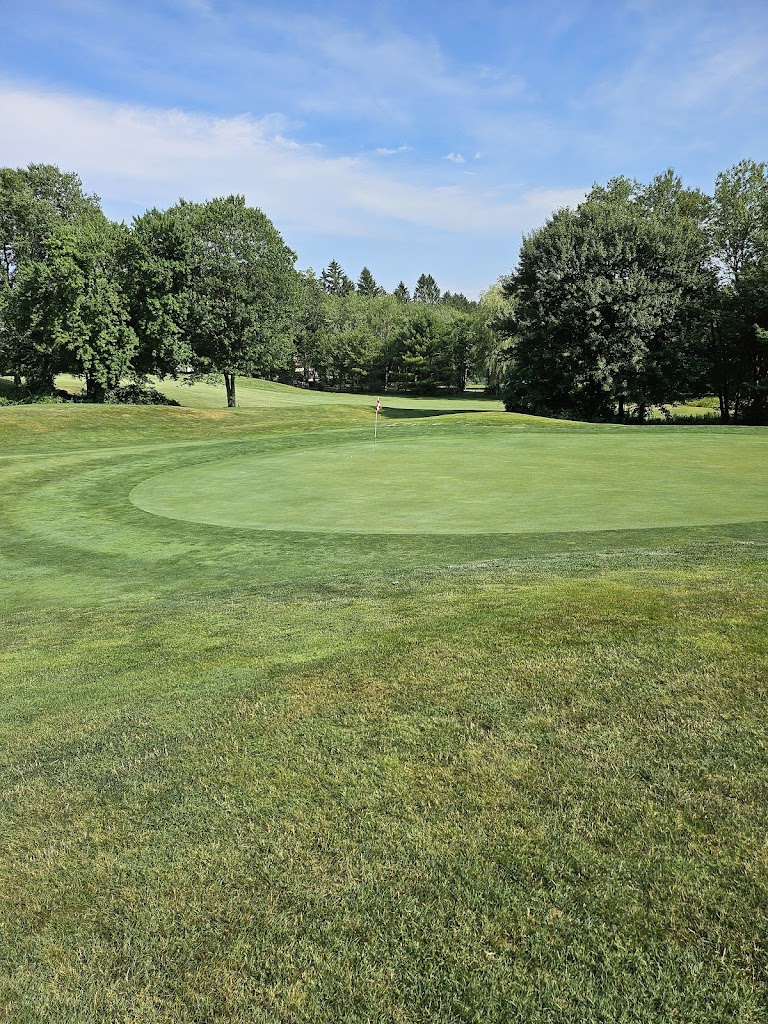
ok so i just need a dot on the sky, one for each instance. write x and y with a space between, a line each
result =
420 137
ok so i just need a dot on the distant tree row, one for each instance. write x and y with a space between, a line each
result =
204 288
336 282
378 341
643 295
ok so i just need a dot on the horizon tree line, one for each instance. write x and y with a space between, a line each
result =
642 295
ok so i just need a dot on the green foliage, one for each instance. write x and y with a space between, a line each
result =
401 293
423 351
457 300
366 284
426 290
335 281
69 310
606 303
239 290
137 394
739 310
35 202
355 346
159 273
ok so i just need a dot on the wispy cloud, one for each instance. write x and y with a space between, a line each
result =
149 156
309 113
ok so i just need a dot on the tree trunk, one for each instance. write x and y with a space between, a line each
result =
229 384
621 410
94 390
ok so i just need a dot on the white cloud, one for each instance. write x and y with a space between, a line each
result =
455 158
138 157
386 151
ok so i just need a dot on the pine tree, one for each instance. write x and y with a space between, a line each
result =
366 285
334 280
401 293
426 290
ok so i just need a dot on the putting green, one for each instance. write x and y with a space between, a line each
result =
489 483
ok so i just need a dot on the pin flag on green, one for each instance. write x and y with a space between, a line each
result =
376 420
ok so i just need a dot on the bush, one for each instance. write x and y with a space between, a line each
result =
19 396
137 394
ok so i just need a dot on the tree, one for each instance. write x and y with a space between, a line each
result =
159 270
311 327
457 300
70 308
739 314
604 297
240 292
354 349
401 293
422 352
366 285
495 337
426 290
34 202
335 281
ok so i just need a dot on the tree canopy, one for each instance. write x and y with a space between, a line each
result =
608 302
238 293
642 295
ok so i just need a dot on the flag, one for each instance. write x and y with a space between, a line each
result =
378 405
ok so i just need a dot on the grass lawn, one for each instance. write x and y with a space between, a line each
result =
468 729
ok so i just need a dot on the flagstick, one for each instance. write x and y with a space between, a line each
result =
375 427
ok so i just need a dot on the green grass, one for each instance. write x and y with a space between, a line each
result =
476 482
262 394
321 775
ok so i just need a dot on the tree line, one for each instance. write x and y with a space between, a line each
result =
201 289
644 295
641 296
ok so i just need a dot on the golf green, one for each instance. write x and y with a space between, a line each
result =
488 483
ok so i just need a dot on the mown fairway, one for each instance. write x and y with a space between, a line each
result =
468 729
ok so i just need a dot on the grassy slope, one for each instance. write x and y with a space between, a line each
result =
529 787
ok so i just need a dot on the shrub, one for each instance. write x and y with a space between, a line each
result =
137 394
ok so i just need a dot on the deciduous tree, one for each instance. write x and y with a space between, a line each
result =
238 305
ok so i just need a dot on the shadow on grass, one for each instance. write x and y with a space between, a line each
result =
415 413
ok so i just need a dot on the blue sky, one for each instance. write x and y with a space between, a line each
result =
420 137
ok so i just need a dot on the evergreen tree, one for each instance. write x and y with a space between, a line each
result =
426 290
334 280
366 285
401 293
457 300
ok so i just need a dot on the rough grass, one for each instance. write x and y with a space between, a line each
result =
255 777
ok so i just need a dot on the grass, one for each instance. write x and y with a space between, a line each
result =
422 484
256 775
261 394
